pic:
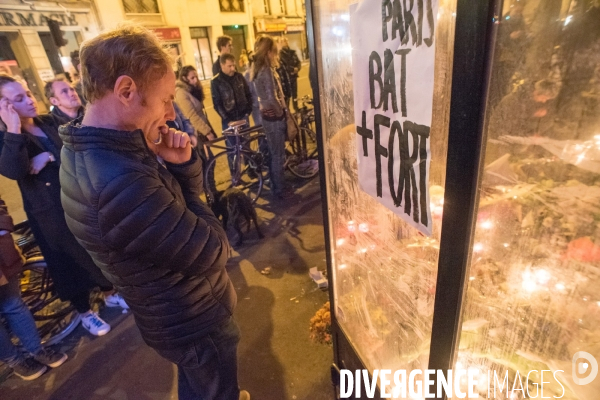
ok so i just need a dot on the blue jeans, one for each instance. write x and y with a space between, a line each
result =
207 368
275 132
20 321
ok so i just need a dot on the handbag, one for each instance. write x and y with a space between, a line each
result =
292 126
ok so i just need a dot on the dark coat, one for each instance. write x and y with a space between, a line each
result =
216 68
231 97
63 118
285 80
71 268
145 226
290 60
11 260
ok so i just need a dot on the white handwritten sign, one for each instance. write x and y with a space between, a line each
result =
393 55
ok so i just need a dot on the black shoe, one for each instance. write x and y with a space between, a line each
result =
29 369
50 358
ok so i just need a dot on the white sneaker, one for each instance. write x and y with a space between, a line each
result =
94 324
115 300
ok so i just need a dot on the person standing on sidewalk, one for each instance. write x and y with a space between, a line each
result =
189 96
30 154
181 123
131 190
16 313
272 107
231 98
225 46
65 100
292 64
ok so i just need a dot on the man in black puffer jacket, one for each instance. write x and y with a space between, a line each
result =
130 190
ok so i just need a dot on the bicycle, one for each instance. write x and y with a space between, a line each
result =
302 151
248 162
305 115
54 318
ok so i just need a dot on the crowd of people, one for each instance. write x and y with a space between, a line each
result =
111 188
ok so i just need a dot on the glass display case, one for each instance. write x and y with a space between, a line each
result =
507 280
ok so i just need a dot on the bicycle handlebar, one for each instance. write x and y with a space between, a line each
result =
232 132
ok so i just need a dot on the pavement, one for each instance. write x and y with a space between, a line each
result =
277 359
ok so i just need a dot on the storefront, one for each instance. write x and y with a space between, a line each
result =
296 34
270 26
238 35
171 37
292 28
202 51
27 48
460 166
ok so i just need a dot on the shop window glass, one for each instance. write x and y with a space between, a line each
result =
384 270
202 51
532 300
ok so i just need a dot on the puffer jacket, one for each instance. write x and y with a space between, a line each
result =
144 225
231 96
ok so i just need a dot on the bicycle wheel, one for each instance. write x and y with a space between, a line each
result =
248 174
54 318
302 154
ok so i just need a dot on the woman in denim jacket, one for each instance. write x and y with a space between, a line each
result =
272 107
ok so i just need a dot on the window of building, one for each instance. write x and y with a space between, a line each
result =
238 36
141 6
283 5
232 5
202 51
267 5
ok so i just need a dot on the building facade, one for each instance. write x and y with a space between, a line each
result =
29 50
282 18
27 46
190 28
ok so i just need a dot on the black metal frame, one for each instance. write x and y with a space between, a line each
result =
473 46
340 342
473 49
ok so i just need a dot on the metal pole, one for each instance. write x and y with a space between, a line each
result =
473 47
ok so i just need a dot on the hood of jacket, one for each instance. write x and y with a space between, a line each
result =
182 85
